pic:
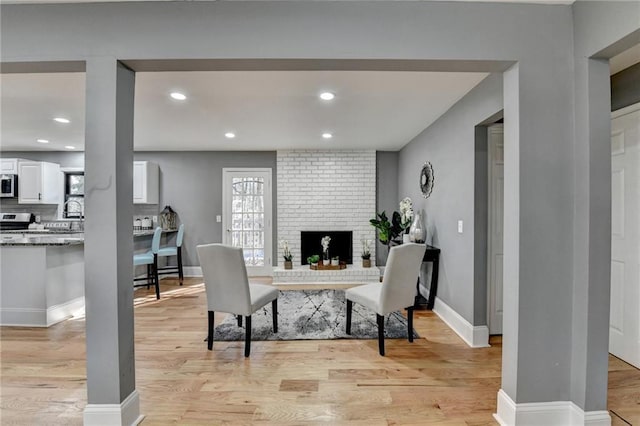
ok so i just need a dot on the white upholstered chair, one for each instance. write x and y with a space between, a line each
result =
397 291
228 289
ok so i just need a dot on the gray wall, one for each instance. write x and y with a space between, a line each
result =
387 198
625 87
450 145
190 182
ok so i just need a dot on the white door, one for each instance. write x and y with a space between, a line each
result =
495 227
246 216
30 182
624 324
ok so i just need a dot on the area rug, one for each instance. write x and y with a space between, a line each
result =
313 315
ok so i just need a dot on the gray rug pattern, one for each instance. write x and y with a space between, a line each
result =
313 315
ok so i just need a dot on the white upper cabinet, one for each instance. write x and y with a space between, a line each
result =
146 182
9 166
39 183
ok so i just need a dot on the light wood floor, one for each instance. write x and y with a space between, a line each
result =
435 380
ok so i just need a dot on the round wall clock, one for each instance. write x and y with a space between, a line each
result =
426 179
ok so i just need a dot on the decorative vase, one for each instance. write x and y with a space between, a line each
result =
406 238
366 263
288 264
326 260
417 232
335 261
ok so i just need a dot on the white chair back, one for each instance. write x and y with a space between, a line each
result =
225 279
400 277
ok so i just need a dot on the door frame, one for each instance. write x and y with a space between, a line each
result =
267 270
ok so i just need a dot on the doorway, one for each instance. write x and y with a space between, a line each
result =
495 235
246 218
624 323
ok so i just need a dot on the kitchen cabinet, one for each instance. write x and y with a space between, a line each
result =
9 166
146 182
39 183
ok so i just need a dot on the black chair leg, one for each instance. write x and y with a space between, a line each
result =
156 276
149 276
239 320
410 323
274 313
180 272
210 332
380 334
349 309
247 337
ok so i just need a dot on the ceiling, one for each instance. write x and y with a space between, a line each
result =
267 110
111 1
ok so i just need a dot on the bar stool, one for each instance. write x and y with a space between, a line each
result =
150 259
173 251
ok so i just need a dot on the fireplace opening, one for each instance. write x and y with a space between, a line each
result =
341 245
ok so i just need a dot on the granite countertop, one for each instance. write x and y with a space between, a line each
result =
143 232
54 238
40 231
16 241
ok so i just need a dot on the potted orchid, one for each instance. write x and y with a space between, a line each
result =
326 260
390 231
366 254
406 217
286 253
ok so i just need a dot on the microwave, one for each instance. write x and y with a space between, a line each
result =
8 186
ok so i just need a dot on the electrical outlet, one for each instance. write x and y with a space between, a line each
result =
460 227
218 218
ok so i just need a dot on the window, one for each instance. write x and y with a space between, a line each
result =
73 195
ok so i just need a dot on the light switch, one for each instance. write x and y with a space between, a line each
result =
460 227
218 218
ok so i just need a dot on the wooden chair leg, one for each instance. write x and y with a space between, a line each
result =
247 338
149 275
239 320
380 319
274 313
156 276
180 271
349 309
210 332
410 323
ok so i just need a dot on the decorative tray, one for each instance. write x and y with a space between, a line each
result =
321 267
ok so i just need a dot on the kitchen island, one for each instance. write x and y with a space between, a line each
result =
42 279
42 275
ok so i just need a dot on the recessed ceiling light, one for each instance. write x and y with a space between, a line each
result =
327 135
327 96
62 120
229 135
70 147
42 141
178 96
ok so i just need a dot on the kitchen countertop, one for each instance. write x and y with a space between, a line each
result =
16 241
54 238
143 232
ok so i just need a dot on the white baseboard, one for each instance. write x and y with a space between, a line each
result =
23 317
127 413
474 336
61 312
192 271
553 413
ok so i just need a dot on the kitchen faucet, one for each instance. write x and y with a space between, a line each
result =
81 211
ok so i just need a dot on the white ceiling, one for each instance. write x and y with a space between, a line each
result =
268 110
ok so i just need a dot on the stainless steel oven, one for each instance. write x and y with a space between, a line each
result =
9 186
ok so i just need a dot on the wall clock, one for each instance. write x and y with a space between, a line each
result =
426 179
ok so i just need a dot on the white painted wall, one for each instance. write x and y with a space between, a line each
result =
326 191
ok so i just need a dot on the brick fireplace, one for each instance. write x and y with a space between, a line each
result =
320 190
